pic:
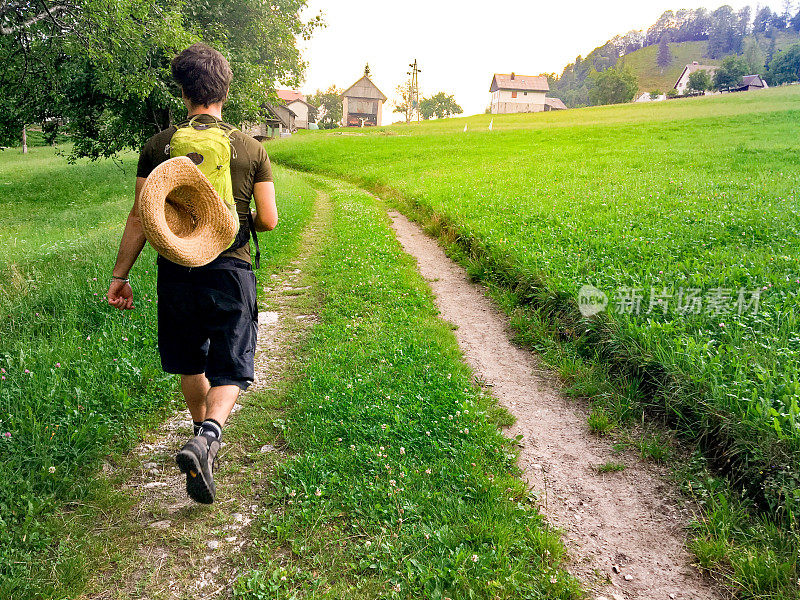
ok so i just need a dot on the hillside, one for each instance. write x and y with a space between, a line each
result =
652 77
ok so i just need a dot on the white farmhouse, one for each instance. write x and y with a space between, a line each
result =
305 113
514 93
683 81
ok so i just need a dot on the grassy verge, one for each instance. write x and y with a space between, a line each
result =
400 484
577 198
79 380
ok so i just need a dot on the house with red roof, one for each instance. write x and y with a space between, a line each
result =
296 102
512 93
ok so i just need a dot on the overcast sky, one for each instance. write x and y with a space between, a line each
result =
460 44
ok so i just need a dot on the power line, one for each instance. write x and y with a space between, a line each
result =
414 72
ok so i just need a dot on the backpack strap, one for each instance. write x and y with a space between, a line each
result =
257 259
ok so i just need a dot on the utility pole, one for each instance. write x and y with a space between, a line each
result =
414 72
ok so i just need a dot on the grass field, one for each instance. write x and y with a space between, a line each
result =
696 194
399 484
77 379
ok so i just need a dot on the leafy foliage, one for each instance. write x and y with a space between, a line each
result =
329 103
785 67
102 68
730 73
439 105
699 81
613 86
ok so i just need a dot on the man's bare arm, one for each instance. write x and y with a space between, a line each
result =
266 217
120 294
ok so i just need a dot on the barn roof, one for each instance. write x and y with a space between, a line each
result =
364 88
754 80
512 81
555 103
289 95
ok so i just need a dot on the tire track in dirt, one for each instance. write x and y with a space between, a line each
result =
624 531
181 549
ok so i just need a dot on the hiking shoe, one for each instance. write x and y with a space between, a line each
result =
196 459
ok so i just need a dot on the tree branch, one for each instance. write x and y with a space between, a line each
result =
45 14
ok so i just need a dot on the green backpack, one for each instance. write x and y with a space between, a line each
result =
208 145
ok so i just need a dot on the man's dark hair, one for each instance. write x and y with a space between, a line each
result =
203 74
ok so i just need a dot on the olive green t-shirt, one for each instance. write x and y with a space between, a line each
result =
249 165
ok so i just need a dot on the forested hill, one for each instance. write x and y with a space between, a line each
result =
657 56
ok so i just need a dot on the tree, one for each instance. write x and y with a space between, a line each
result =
664 56
699 81
440 106
730 73
795 22
754 56
103 67
785 67
786 14
726 34
763 20
613 86
654 94
329 107
404 104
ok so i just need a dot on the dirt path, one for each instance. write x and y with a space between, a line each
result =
168 547
624 531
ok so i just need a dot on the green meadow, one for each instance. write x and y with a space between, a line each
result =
684 213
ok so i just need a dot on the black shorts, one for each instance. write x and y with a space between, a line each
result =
207 320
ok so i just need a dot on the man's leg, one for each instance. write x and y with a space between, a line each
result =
220 401
195 390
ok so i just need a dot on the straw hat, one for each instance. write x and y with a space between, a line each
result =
183 217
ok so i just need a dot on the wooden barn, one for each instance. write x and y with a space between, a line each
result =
362 104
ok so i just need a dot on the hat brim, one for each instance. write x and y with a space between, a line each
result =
183 216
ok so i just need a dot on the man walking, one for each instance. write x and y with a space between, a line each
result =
207 316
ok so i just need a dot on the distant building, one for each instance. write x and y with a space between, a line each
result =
751 82
277 120
362 104
554 104
305 113
646 97
514 93
683 81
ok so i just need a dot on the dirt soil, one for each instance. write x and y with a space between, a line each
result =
625 531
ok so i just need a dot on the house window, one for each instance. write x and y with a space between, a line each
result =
513 94
524 93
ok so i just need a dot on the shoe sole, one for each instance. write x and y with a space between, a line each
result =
196 485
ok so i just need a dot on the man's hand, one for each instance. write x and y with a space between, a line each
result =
120 295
